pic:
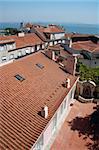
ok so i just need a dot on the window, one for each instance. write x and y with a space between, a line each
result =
53 36
40 66
2 48
54 122
11 56
61 109
18 77
3 58
40 143
70 96
57 53
27 51
19 54
65 104
9 46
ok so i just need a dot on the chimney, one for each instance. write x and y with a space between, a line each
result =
70 45
67 83
21 34
53 56
44 112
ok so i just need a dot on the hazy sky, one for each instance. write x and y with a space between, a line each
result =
69 11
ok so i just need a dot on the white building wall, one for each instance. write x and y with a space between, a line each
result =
3 54
10 46
61 114
32 49
90 63
63 41
17 53
51 44
43 46
2 47
57 36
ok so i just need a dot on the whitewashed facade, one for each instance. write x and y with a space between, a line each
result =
9 52
48 135
56 36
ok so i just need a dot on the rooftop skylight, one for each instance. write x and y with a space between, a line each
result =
18 77
40 66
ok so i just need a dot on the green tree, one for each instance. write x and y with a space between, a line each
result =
88 73
11 31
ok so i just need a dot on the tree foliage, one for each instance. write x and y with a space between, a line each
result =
88 73
11 31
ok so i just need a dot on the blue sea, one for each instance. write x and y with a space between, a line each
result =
69 27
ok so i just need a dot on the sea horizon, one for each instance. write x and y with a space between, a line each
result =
81 28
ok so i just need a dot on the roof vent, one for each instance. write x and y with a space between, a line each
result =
44 112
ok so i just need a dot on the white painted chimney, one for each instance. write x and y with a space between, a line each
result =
21 34
44 112
68 83
70 44
53 56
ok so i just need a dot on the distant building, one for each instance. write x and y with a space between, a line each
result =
87 46
17 46
52 34
89 51
35 98
64 58
2 32
31 38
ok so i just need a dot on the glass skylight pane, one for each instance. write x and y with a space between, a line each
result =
40 66
18 77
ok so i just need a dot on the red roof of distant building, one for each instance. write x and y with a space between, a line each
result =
53 29
73 35
26 40
86 45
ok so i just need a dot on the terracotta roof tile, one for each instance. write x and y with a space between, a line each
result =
20 102
85 45
73 35
53 29
27 40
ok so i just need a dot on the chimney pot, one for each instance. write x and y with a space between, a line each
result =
44 112
68 83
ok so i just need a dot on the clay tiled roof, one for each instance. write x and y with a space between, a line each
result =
40 31
20 102
7 41
73 35
55 47
27 40
86 45
53 29
96 50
